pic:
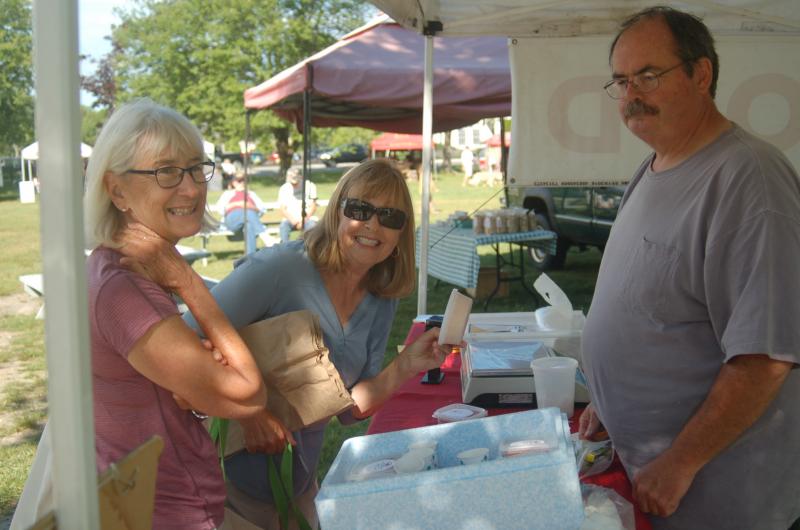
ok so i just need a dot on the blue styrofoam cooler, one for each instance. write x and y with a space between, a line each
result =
529 492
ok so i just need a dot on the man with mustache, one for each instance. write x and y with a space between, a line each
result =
692 335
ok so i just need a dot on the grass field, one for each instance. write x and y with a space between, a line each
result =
22 362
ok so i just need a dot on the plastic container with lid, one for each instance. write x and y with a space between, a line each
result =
458 412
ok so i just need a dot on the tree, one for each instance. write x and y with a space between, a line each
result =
101 84
92 121
198 56
16 79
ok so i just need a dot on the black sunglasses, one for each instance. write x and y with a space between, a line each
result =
359 210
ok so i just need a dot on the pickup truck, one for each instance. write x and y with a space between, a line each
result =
580 216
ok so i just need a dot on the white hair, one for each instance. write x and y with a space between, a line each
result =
136 130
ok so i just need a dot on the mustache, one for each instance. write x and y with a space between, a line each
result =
637 107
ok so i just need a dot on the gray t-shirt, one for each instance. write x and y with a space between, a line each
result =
701 266
278 280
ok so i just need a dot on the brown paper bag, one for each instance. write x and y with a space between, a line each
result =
303 385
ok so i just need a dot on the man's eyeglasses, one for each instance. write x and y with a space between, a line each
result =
359 210
171 176
644 82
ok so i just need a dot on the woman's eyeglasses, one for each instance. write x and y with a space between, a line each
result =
171 176
359 210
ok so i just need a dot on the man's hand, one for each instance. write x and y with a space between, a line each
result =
264 433
744 388
660 485
589 423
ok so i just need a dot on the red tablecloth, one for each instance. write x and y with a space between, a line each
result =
413 405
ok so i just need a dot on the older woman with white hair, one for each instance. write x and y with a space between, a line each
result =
146 190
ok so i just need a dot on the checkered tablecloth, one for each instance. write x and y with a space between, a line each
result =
453 255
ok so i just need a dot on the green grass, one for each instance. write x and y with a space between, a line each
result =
16 460
19 236
24 401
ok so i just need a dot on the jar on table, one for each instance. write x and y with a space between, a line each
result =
524 224
512 222
533 223
489 223
477 223
500 223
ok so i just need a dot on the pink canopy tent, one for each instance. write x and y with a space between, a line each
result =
397 142
373 78
494 141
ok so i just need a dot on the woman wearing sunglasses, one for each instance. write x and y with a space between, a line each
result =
350 270
146 189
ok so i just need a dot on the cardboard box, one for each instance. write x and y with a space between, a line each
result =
529 492
487 279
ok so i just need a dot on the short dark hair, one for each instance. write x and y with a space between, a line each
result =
692 37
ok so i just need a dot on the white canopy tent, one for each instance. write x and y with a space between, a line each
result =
208 149
31 153
568 128
58 128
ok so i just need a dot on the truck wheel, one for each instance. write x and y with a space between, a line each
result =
544 260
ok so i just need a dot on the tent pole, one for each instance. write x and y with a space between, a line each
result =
504 157
246 159
306 152
427 135
55 26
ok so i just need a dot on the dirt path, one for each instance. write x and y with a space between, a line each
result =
13 371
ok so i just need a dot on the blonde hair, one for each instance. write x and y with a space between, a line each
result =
393 277
136 130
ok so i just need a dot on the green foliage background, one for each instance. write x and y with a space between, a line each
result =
16 75
199 56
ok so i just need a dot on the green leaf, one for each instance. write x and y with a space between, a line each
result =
219 435
278 494
286 470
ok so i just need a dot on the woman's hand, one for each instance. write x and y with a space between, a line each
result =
264 433
424 353
152 256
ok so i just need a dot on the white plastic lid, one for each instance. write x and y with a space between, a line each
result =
380 468
524 447
458 412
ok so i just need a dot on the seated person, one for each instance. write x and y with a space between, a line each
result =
290 197
231 205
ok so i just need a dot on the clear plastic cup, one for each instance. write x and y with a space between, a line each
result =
554 379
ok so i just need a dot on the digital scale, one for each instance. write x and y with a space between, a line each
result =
496 364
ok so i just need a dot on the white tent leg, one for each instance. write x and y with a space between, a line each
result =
55 24
427 136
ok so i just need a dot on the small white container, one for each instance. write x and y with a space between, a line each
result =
473 456
458 412
524 447
410 463
550 318
379 468
427 454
